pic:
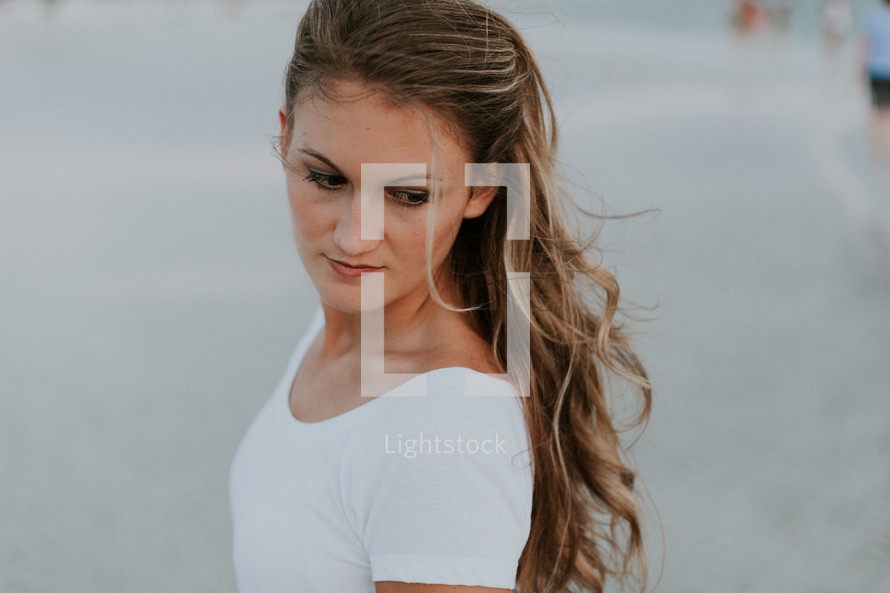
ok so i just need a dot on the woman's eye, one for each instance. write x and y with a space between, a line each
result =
409 198
324 180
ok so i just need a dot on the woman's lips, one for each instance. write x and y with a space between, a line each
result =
350 271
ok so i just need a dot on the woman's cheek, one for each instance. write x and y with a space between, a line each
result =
308 216
409 241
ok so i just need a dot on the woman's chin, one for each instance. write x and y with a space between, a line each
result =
345 295
347 303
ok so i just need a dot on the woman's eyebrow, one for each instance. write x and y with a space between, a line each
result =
316 155
395 182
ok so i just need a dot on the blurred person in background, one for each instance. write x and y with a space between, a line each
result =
875 51
749 16
783 12
836 21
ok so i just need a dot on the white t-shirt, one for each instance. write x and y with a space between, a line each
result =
433 489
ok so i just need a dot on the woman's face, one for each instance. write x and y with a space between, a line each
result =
329 142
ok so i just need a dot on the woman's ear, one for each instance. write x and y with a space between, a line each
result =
480 198
283 139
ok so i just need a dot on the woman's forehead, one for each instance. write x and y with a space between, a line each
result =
362 125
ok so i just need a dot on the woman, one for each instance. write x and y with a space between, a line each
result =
514 478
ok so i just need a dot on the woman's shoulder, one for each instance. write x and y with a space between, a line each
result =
448 402
460 414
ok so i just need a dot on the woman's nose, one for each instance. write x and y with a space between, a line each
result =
348 233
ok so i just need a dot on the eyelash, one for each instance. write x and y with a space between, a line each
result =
331 182
401 194
325 181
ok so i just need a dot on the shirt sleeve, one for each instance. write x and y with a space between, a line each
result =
439 489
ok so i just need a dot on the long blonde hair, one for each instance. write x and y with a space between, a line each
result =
470 66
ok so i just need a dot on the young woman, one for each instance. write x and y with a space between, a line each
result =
460 472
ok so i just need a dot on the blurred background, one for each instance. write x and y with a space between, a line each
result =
150 293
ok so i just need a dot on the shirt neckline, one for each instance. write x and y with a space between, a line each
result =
349 417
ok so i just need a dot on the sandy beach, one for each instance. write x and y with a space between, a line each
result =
151 292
